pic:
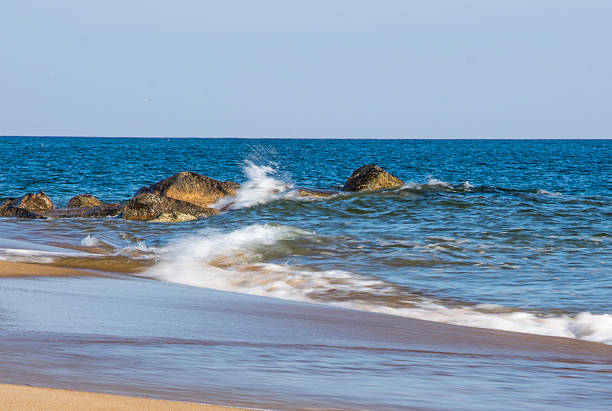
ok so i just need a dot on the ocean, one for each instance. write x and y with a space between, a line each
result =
511 235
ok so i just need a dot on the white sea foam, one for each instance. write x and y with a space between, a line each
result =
262 186
90 241
548 193
25 251
234 261
434 183
440 183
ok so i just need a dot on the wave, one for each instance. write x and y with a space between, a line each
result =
434 185
237 261
264 184
261 186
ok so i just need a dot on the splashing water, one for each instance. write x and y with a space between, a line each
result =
260 187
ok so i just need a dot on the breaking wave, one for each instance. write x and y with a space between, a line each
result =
237 261
262 185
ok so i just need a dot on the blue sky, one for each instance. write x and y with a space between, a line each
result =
279 68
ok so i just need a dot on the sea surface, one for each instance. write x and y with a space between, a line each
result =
510 235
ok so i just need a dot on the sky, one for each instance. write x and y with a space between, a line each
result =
331 68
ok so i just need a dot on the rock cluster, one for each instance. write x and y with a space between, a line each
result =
184 196
192 188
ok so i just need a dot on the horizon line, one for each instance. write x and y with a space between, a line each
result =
308 138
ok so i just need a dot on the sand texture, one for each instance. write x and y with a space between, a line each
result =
16 398
14 269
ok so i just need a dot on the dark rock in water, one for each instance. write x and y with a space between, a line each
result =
84 200
104 210
8 210
147 206
26 206
193 188
371 177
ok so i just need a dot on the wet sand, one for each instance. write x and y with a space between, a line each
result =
17 269
158 340
18 398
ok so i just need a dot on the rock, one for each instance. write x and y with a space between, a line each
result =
371 177
8 210
104 210
147 206
27 206
193 188
308 192
84 200
32 202
173 217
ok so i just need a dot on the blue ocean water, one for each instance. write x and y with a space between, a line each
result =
506 234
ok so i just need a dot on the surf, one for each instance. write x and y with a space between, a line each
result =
238 261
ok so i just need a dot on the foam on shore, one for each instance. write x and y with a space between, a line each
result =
236 261
25 251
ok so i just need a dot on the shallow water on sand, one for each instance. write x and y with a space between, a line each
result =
151 338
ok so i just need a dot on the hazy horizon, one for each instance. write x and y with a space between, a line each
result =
444 69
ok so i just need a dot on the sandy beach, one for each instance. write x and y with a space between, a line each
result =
21 398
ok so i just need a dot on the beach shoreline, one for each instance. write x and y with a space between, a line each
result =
22 269
76 348
19 397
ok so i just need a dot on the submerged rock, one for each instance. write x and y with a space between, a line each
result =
371 177
193 188
309 192
104 210
84 200
27 206
147 206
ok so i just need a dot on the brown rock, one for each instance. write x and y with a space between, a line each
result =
8 210
193 188
371 177
173 217
26 206
84 200
147 206
32 202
